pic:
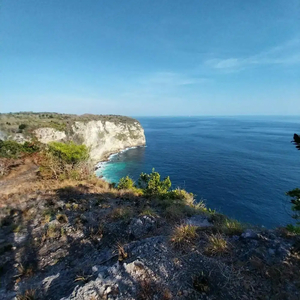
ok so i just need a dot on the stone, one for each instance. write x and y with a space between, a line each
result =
199 221
271 251
249 234
139 227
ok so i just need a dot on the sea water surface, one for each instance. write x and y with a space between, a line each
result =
240 166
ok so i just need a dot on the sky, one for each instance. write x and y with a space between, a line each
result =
150 57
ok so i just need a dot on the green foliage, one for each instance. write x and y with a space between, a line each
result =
293 228
69 153
22 126
65 161
295 200
153 185
125 183
12 122
12 149
295 195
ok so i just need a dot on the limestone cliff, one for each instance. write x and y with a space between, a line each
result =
103 138
102 134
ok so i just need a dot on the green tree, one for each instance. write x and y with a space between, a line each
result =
295 195
153 185
125 183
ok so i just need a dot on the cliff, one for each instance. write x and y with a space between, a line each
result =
103 134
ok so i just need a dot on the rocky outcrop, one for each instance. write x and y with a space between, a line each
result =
2 136
46 135
102 137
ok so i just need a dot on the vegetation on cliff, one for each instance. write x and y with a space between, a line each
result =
27 122
295 198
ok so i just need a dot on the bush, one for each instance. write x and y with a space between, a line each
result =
12 149
65 161
125 183
295 195
22 126
152 185
69 153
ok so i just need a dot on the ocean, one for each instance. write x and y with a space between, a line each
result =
240 166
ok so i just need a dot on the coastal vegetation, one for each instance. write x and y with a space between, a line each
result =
27 122
295 198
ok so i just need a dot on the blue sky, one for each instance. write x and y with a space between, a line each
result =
150 57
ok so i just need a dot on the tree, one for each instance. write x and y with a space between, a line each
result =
296 141
295 194
152 185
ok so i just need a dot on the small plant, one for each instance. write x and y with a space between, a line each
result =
123 213
22 126
183 235
97 233
125 183
148 211
28 295
82 277
53 231
17 228
62 218
122 254
217 245
293 228
201 283
174 212
24 271
233 227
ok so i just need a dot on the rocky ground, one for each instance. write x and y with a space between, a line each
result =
86 240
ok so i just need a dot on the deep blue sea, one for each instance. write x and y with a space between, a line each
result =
240 166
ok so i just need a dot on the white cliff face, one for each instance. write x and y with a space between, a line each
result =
102 138
47 135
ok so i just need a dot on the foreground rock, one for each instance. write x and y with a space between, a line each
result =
85 241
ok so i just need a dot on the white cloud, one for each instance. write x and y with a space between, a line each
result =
286 54
172 79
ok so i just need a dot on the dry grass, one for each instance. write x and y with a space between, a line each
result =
233 227
174 212
122 254
24 271
62 218
28 295
184 235
121 213
148 211
97 233
149 290
216 245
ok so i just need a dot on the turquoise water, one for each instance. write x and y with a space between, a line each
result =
240 166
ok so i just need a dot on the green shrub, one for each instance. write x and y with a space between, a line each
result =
125 183
293 228
295 195
153 185
12 149
65 161
69 153
22 126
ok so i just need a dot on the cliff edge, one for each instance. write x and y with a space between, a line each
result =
103 134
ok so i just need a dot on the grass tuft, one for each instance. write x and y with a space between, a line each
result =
28 295
217 245
183 235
